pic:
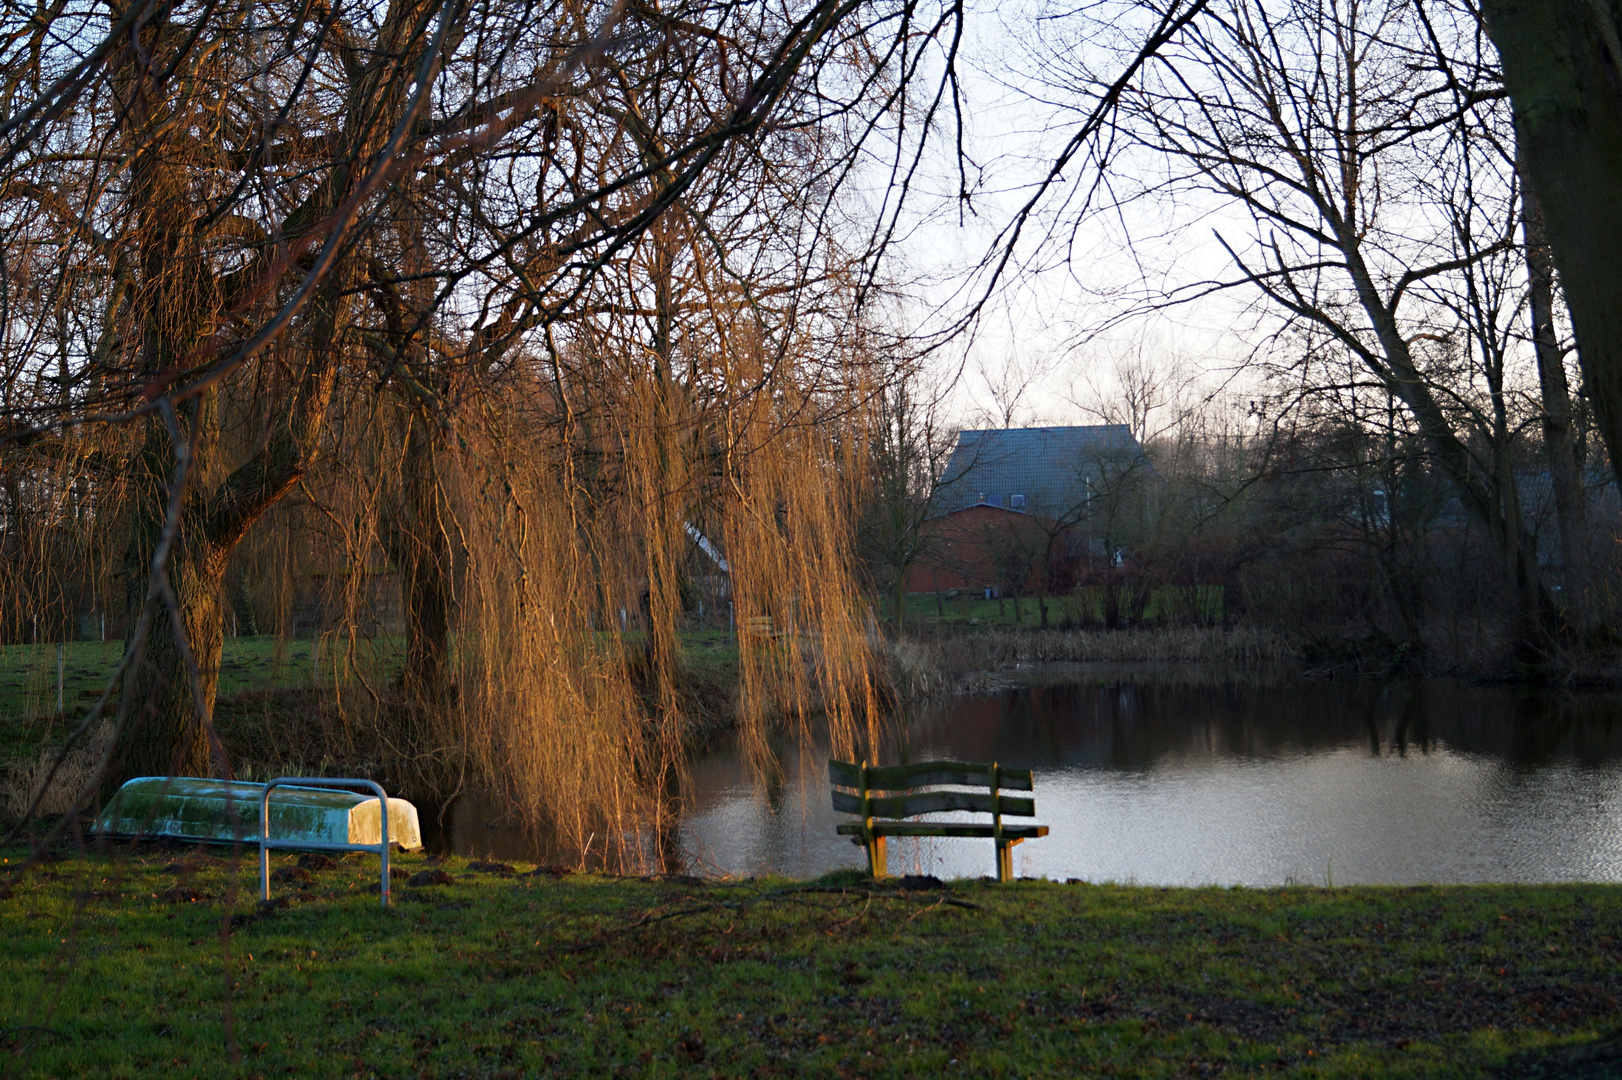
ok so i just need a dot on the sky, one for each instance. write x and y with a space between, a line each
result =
1038 354
1048 347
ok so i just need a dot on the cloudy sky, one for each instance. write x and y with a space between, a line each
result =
1048 344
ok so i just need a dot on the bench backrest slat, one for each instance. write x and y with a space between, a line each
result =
927 773
929 802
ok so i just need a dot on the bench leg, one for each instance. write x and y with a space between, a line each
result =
878 863
1005 859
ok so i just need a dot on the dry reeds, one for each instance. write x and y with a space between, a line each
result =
21 782
925 668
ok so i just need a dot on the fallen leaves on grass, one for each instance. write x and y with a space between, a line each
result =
179 895
481 866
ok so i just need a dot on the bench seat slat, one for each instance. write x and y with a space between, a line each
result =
926 773
930 802
941 828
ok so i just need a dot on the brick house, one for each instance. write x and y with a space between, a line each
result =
1017 508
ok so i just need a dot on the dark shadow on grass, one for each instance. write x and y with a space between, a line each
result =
1598 1058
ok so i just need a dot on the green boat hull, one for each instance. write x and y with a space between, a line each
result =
219 811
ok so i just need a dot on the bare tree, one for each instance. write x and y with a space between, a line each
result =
1560 67
1559 421
911 444
1332 129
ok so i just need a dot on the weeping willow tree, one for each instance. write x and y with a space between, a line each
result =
574 688
704 383
517 299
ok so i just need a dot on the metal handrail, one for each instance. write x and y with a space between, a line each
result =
266 843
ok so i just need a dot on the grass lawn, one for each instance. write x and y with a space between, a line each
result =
247 664
121 966
251 665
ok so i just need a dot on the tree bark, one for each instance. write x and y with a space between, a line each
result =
172 731
422 547
179 304
170 701
424 554
169 730
1562 65
1559 440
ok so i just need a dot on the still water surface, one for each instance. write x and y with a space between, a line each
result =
1192 774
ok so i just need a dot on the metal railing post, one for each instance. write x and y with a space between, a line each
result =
266 843
264 851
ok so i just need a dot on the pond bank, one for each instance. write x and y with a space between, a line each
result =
963 659
139 963
299 729
272 728
978 660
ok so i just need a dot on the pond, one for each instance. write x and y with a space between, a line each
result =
1193 774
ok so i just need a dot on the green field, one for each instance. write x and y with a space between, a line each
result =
28 674
28 678
160 965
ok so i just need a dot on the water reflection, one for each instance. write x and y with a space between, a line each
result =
1187 774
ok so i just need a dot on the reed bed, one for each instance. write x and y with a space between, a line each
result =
921 668
23 781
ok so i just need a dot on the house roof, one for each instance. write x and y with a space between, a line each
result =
1051 468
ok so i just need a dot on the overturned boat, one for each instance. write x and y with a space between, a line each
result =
227 811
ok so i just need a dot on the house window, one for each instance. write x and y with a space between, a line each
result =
994 500
1380 508
1016 502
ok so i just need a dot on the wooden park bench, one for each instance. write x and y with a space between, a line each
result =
881 814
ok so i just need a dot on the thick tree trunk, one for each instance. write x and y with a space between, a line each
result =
1493 504
424 554
179 299
171 700
169 729
427 625
1562 65
170 733
1534 609
1559 440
